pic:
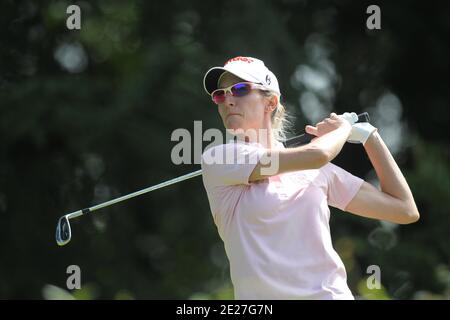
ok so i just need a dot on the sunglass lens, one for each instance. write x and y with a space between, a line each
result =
241 89
218 96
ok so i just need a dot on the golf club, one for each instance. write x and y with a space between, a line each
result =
63 230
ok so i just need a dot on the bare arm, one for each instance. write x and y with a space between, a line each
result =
395 201
332 133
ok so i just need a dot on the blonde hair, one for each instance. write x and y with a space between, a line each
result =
280 118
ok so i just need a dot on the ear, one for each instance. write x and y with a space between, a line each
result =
272 103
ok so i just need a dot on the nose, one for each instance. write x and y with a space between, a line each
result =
229 100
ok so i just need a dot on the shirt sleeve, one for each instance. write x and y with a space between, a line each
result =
342 186
230 164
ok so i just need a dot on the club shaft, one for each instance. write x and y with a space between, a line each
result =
135 194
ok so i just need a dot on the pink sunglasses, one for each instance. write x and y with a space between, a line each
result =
240 89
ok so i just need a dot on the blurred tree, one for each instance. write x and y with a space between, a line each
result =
86 116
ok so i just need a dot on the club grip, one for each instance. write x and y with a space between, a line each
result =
306 137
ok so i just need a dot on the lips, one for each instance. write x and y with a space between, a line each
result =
232 114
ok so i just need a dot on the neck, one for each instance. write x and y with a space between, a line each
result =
263 136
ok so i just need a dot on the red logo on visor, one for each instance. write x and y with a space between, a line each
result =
245 59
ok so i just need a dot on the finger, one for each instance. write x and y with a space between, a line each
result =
311 130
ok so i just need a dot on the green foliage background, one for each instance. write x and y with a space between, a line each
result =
86 116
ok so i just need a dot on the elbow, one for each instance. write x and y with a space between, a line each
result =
412 213
414 217
410 216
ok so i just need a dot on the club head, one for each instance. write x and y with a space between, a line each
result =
63 232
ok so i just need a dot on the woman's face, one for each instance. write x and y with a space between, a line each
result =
244 113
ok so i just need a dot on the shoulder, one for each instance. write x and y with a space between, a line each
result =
230 164
211 154
211 150
224 153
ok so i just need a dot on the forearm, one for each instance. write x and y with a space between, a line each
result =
317 153
332 142
389 174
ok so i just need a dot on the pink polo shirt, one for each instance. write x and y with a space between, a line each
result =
276 231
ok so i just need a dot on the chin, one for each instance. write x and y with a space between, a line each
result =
234 125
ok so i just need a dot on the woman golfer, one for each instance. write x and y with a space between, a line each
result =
275 223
